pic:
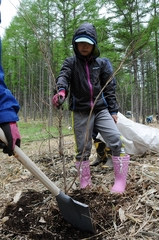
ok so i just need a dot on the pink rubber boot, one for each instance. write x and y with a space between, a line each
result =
120 165
83 169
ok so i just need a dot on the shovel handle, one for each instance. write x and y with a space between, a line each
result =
27 162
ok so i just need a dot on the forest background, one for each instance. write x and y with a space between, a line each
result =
39 39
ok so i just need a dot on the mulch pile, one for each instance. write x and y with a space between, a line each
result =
32 213
37 216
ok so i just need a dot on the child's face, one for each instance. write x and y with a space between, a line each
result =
84 48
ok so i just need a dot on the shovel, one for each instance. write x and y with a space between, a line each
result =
76 213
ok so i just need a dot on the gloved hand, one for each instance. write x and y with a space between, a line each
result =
12 135
115 117
59 98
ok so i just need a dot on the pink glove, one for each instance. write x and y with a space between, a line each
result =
12 135
59 98
15 134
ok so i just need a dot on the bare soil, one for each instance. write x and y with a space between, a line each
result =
28 211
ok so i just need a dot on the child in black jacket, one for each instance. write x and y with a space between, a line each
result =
88 78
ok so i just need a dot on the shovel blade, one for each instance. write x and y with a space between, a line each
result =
76 213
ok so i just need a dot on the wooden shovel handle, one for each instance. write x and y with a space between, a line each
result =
27 162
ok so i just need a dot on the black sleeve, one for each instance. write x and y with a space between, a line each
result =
64 77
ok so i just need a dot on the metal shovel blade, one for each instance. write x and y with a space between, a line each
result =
76 213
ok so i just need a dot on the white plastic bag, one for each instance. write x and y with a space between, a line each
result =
138 138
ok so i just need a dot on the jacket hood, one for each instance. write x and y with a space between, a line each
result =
86 31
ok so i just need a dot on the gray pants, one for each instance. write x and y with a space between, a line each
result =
103 123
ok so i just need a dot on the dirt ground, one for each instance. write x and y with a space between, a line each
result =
29 211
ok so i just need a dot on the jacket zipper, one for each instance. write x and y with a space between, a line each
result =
90 85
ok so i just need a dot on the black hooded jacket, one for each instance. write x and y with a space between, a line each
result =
84 78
